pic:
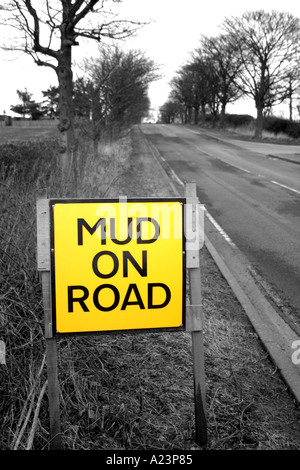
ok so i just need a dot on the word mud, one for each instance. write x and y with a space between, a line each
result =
102 224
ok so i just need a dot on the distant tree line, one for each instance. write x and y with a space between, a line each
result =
111 93
257 56
29 108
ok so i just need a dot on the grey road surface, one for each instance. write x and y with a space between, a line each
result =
254 197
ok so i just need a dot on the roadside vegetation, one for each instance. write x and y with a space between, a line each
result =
275 129
255 56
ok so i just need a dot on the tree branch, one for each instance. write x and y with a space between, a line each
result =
89 7
36 33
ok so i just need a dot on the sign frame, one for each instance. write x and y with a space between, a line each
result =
52 321
192 312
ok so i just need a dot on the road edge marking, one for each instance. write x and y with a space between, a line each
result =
171 173
286 187
219 228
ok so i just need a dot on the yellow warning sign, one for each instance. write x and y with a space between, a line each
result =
117 265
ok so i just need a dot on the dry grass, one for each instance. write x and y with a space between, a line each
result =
104 171
247 132
248 402
131 392
21 134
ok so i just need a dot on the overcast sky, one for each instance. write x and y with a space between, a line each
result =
176 28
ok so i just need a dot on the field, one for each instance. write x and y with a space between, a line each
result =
132 392
14 134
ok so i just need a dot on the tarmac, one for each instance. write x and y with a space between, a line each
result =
277 337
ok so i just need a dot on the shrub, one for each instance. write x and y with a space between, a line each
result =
278 125
26 170
275 125
237 120
293 129
230 120
28 160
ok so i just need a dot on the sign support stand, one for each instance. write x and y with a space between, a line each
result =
43 258
194 322
53 394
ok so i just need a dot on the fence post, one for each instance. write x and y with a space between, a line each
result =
44 265
194 322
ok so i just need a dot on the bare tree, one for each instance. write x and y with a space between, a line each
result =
47 30
292 88
221 53
199 76
116 84
267 44
208 80
171 110
190 87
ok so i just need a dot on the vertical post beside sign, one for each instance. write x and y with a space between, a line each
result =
194 322
43 261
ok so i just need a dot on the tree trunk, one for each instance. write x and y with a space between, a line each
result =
185 115
222 115
259 122
189 114
261 100
291 101
290 97
96 118
196 115
181 113
66 112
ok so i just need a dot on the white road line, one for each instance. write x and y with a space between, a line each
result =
220 230
286 187
230 164
202 151
172 171
195 132
239 167
210 217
